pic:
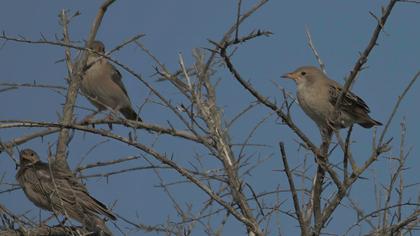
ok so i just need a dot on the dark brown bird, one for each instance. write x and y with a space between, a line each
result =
103 87
317 95
60 193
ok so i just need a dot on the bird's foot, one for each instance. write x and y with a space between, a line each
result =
110 118
88 119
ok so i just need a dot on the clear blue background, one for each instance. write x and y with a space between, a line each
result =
340 30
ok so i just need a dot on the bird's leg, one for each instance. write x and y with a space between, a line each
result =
111 117
113 114
88 119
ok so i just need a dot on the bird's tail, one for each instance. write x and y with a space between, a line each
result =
130 114
369 122
99 207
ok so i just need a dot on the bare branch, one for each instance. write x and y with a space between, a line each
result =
75 80
364 56
302 223
312 46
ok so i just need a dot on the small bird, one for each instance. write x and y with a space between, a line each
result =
61 193
103 87
317 95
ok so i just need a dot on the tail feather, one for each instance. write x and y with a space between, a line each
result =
99 207
130 114
369 123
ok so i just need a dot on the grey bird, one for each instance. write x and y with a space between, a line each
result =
317 95
60 192
103 86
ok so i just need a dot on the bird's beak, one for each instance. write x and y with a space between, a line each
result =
289 76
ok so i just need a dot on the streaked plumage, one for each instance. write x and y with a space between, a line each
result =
60 192
103 87
317 95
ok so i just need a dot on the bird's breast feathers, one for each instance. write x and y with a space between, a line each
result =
314 102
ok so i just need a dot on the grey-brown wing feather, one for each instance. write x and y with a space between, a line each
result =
117 79
88 203
74 192
350 102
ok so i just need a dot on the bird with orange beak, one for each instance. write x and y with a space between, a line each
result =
317 95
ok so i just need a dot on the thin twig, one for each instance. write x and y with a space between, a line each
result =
312 46
364 56
302 223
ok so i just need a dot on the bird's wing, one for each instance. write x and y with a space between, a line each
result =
61 172
97 207
55 184
350 102
116 78
72 191
83 198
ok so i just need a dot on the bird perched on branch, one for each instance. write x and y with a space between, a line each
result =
317 95
103 87
59 191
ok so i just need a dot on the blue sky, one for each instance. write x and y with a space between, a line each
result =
340 30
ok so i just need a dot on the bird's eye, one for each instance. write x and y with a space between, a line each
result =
303 73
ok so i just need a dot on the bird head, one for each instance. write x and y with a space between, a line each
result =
98 46
28 157
304 74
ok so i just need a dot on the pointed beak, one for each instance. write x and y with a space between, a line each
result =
289 76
